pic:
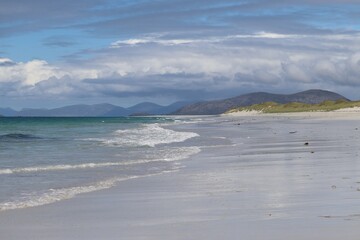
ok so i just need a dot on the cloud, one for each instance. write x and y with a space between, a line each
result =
6 62
185 49
18 17
163 40
58 41
205 67
28 73
149 40
230 17
124 18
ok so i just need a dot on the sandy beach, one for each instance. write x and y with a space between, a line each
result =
273 177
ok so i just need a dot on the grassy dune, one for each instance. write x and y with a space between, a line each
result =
272 107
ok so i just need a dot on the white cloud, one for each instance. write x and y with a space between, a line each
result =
145 40
5 61
177 65
159 39
296 73
38 70
267 35
29 73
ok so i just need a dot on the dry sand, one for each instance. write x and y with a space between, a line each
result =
262 183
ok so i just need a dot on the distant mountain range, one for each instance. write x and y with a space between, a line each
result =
96 110
221 106
178 108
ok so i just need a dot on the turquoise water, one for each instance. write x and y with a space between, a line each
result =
44 160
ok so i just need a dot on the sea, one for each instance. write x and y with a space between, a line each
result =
45 160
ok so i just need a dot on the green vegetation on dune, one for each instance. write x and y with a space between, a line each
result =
272 107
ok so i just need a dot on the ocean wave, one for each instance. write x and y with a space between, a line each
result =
18 136
55 195
173 154
146 135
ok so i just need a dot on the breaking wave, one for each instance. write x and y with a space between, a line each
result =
55 195
146 135
173 154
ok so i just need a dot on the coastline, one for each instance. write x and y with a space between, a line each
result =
345 113
261 183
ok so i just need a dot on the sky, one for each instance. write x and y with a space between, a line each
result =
56 53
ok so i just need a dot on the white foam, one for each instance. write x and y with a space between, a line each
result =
146 135
55 195
58 167
6 171
172 154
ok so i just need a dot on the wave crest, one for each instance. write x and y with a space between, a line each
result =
174 154
55 195
146 135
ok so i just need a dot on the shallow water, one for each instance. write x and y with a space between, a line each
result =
43 160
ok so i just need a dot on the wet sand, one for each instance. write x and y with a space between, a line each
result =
263 182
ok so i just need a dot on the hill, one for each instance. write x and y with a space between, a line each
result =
145 107
81 110
148 108
178 108
313 96
272 107
7 112
96 110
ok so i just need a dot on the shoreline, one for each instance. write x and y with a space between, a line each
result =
348 113
260 178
